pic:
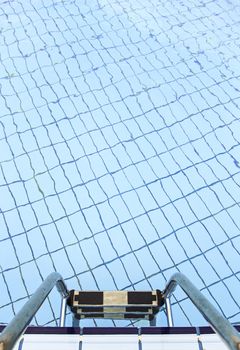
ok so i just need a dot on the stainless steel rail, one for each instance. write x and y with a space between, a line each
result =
19 323
220 324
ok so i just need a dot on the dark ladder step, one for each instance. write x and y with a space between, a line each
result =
115 304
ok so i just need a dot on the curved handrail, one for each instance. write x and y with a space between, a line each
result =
19 323
220 324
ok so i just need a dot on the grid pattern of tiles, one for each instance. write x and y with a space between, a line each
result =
119 148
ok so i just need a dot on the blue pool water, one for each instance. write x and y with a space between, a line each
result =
119 149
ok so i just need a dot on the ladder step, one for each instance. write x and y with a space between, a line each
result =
115 304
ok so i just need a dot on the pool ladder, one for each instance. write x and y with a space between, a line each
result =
14 330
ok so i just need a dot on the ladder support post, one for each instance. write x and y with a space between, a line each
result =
75 321
63 310
153 322
169 312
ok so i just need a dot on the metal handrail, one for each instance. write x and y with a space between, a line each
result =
220 324
19 323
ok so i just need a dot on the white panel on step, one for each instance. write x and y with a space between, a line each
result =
150 340
212 342
50 342
110 342
169 342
